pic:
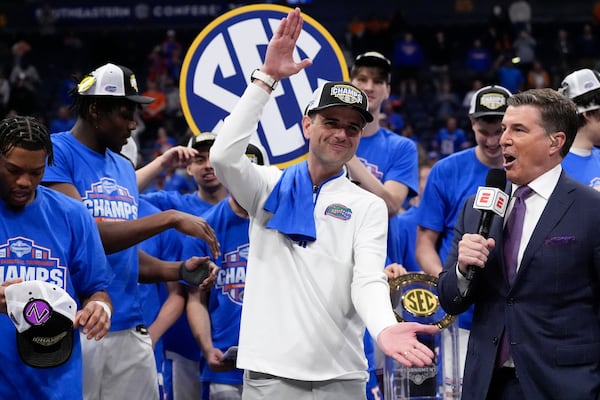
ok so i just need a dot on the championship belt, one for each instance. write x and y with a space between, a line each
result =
415 299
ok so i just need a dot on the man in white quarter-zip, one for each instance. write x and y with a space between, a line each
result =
317 246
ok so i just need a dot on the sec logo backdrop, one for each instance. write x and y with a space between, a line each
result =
217 68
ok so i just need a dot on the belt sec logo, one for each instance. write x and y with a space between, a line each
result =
217 67
420 302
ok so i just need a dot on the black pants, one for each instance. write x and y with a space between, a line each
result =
505 385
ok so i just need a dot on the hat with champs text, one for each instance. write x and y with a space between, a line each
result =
334 94
112 80
488 101
43 314
579 83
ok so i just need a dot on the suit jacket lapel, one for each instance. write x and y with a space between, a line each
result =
559 202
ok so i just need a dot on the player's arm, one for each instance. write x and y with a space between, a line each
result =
195 271
392 192
197 314
427 255
199 319
120 235
169 312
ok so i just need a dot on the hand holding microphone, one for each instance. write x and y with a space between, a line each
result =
491 201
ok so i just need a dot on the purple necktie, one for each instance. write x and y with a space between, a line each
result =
512 239
513 229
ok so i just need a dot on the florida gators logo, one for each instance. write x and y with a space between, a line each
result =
338 211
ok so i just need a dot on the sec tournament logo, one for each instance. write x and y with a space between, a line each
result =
217 67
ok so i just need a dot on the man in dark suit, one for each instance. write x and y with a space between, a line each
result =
546 311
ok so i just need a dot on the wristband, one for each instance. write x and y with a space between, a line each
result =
261 76
105 306
196 276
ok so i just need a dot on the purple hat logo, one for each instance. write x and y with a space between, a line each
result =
37 312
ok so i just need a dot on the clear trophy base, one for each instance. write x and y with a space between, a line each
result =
414 298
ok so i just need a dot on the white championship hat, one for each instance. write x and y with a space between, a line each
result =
577 84
43 314
112 80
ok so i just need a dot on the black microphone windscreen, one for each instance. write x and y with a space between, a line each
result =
496 178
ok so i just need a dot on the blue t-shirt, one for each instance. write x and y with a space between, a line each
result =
402 239
52 239
178 338
585 169
450 142
451 181
389 156
226 296
107 186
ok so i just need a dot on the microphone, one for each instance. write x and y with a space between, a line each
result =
490 200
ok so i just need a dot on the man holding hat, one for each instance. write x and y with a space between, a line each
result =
49 243
583 160
90 169
317 246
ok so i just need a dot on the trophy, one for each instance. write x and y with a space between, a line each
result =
415 299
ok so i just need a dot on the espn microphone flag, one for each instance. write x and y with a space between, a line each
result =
492 199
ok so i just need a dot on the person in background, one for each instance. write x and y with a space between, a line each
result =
583 160
538 77
408 59
392 119
509 75
450 139
4 94
153 114
452 180
209 190
385 163
63 121
182 352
